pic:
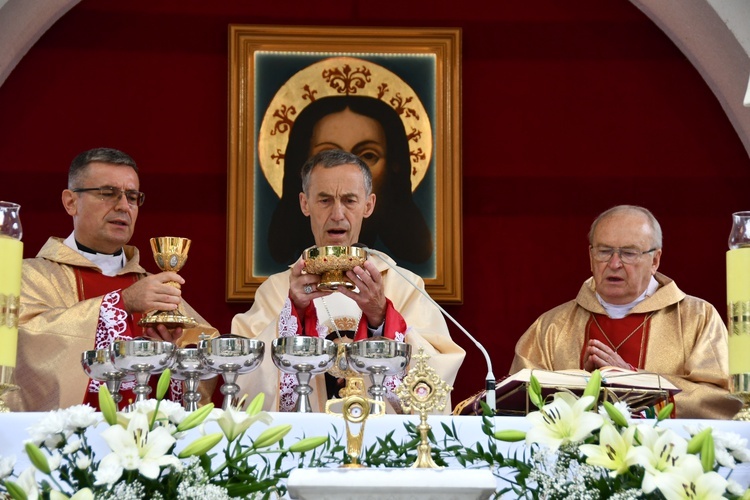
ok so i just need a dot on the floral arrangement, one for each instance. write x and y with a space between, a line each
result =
578 453
576 450
147 458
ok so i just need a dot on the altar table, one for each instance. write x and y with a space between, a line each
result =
13 432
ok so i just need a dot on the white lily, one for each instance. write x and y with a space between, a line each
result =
686 480
6 466
234 422
659 452
138 448
615 451
564 420
27 482
84 494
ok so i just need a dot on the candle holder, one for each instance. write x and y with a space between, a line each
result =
6 385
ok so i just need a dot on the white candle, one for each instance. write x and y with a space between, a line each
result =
11 258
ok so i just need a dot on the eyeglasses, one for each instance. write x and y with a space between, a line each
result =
627 255
112 194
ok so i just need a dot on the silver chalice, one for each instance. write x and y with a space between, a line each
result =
304 357
231 355
142 358
378 358
98 366
190 367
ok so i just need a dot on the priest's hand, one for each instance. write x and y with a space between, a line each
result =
371 296
598 355
153 293
161 332
303 287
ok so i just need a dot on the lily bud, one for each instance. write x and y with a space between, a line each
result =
510 436
201 445
665 412
708 453
196 417
15 491
256 404
163 385
38 458
535 391
617 417
696 442
271 436
593 386
107 405
307 444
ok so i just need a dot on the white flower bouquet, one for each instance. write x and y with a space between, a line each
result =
147 458
578 453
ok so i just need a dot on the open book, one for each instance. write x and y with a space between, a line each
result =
639 389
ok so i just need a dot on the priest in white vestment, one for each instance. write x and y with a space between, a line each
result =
337 195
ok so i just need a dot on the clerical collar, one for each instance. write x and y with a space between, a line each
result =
110 264
618 311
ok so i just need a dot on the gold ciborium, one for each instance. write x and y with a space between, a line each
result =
170 254
332 263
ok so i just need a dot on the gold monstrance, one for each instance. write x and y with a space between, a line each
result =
423 390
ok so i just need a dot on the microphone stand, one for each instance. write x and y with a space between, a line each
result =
489 383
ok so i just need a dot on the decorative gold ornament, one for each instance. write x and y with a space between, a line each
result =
170 254
424 391
342 76
355 409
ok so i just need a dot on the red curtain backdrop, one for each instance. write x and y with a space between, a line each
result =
568 108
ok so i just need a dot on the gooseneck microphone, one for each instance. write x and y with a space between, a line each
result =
490 379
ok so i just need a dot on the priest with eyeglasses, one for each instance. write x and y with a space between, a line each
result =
628 315
88 290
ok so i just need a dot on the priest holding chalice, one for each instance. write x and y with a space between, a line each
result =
368 300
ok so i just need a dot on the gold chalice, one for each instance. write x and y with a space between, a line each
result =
332 263
170 254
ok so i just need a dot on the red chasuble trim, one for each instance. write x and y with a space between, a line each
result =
628 336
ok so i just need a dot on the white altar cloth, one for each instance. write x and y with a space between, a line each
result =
13 433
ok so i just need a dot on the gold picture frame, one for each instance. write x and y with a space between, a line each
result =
417 71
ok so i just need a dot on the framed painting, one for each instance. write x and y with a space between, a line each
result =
389 95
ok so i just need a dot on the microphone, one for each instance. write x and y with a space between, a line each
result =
489 383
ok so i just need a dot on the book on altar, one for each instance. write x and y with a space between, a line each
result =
639 389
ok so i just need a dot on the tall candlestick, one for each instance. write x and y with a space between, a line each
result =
11 257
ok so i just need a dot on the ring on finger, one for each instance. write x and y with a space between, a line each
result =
307 288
